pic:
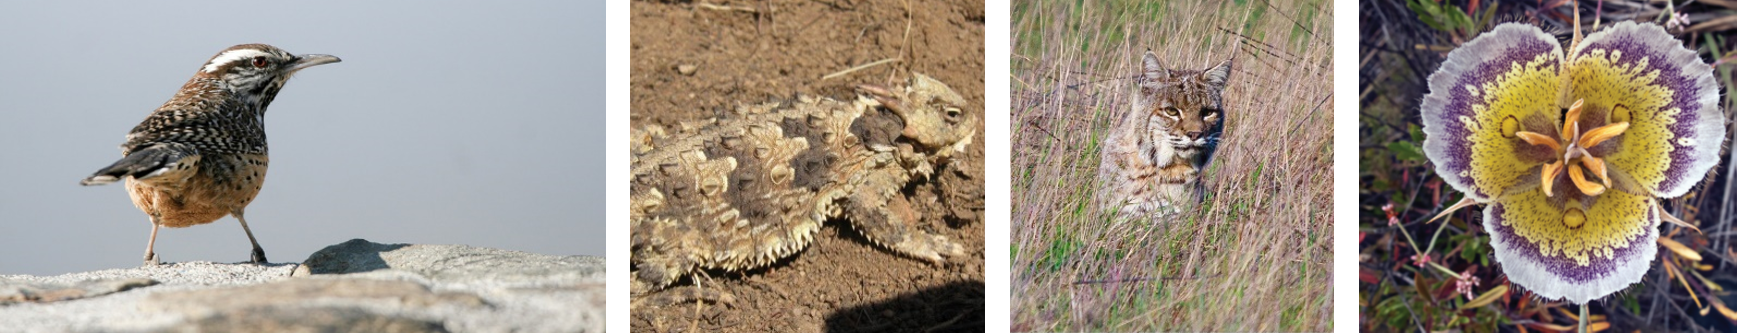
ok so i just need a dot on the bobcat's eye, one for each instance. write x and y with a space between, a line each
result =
1172 112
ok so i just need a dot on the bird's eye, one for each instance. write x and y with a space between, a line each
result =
258 61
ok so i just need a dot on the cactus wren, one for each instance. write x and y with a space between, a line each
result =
202 155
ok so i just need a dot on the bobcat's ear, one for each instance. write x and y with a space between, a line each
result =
1152 70
1218 75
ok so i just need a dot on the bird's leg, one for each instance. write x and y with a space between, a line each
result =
258 253
150 247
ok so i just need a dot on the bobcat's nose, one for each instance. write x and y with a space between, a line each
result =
1194 135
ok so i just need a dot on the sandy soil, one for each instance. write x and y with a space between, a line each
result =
752 52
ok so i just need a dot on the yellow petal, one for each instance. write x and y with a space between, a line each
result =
1661 152
1530 232
1598 135
1466 140
1579 178
1538 139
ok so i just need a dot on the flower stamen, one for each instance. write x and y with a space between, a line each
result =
1579 178
1573 147
1596 165
1550 172
1598 135
1571 122
1539 139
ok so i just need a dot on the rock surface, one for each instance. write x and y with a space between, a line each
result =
356 286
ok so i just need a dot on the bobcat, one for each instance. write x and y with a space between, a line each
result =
1152 159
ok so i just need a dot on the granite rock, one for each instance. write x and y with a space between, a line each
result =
355 286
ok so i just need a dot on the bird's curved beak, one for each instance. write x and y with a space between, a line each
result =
311 60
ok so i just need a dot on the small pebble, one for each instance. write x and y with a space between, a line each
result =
687 69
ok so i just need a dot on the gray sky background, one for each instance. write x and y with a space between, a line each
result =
448 122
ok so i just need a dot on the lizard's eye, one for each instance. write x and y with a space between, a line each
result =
259 62
952 112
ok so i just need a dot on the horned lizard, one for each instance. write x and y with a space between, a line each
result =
744 190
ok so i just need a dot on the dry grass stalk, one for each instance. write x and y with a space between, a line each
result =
1265 228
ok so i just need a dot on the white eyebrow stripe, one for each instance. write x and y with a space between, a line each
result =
231 56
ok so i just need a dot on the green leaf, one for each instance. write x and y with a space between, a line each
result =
1484 20
1426 12
1486 297
1477 248
1406 150
1460 20
1484 250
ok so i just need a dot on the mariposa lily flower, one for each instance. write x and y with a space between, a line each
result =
1570 151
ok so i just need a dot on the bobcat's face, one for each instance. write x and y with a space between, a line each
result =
1185 108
